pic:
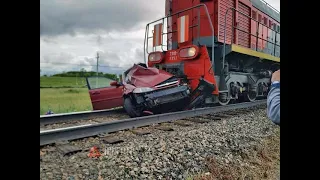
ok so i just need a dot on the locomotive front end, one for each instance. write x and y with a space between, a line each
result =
178 50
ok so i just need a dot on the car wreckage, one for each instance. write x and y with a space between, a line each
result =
145 90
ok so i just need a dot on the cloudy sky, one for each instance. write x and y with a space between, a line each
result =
72 31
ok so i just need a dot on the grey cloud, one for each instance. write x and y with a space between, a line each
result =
139 55
109 62
71 16
115 60
49 40
122 52
57 63
109 58
61 57
99 40
64 60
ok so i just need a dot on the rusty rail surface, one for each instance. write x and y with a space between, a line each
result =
83 115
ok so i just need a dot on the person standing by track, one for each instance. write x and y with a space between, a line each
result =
273 99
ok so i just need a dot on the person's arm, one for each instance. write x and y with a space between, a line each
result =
273 103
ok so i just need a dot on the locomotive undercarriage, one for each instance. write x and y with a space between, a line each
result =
247 78
244 86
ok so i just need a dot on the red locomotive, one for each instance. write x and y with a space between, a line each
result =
205 52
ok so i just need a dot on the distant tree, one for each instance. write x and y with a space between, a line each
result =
82 71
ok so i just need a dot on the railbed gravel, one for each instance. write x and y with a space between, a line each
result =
162 154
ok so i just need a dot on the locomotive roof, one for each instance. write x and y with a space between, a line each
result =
267 9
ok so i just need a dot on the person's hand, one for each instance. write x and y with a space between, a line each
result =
276 76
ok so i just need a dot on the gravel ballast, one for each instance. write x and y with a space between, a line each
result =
180 153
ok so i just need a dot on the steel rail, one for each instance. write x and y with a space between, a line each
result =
78 132
64 117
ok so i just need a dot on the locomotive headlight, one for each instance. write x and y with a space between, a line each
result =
191 51
188 53
155 57
142 90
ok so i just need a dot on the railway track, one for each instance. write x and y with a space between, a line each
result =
87 130
76 116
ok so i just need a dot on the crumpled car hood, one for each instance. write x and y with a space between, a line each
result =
147 77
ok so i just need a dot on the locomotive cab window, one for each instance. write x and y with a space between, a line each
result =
278 29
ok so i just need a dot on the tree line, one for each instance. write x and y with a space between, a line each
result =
84 73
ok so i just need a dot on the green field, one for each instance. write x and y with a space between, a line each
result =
62 82
62 100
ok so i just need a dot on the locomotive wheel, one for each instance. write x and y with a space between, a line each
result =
251 96
130 108
224 99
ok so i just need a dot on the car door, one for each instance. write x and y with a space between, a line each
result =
103 95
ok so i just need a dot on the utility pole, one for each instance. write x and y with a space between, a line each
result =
97 63
97 69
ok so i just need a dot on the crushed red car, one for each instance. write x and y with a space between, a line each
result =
142 89
152 89
146 89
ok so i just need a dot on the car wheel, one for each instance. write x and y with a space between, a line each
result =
130 108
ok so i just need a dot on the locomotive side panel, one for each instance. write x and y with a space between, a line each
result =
277 40
205 29
267 32
249 29
263 32
223 5
204 35
254 26
244 25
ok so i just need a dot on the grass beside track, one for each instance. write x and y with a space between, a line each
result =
63 100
